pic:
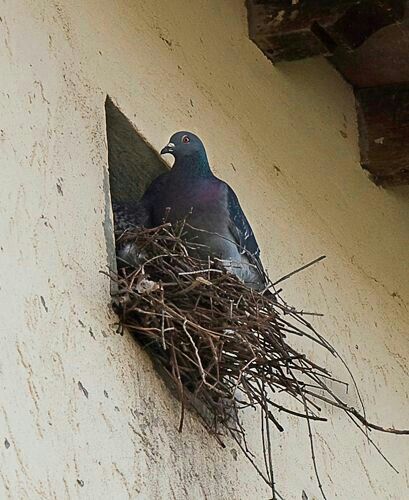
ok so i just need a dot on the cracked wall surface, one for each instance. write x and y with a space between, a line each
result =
82 412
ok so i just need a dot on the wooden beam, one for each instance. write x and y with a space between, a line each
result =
367 41
294 29
381 60
383 120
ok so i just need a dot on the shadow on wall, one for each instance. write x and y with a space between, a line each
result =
133 163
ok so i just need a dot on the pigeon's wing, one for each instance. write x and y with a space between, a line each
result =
241 229
128 215
154 189
131 214
153 197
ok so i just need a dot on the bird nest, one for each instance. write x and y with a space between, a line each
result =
222 346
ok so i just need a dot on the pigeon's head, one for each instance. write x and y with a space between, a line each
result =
184 145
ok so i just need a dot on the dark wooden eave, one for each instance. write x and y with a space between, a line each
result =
368 42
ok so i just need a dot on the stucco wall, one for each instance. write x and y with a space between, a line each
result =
82 414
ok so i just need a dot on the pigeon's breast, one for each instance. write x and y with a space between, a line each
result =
202 201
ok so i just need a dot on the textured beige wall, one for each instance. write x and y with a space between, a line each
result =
285 138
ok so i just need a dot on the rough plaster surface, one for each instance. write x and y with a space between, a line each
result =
82 413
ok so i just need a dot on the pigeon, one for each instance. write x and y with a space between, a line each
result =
216 221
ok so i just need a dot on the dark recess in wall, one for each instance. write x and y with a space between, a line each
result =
133 163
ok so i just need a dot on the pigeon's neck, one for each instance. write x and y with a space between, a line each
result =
193 166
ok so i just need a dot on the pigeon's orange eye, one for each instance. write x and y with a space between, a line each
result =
185 139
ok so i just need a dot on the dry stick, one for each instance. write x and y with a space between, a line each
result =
263 444
209 270
163 323
314 461
251 460
335 352
372 442
334 403
199 361
180 385
346 367
304 322
197 364
266 419
315 261
350 409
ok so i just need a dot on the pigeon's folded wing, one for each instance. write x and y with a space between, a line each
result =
241 230
154 190
131 214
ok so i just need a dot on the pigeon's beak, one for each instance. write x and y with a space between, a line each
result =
169 148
